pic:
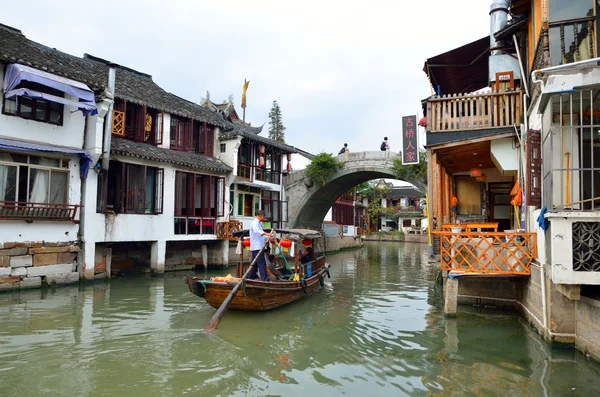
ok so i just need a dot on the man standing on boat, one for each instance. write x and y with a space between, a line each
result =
258 238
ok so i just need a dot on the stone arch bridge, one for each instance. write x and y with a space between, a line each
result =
308 203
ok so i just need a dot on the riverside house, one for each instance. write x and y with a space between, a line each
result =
102 171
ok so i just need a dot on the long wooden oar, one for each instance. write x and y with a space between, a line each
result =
216 318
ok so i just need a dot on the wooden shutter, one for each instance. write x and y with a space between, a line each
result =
159 128
534 173
159 190
206 196
210 140
173 137
189 135
140 123
178 192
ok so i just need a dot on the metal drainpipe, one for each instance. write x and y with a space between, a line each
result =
108 118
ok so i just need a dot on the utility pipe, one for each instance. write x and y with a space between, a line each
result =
521 66
534 80
108 117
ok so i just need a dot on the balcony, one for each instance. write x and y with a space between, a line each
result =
10 210
509 254
460 112
225 230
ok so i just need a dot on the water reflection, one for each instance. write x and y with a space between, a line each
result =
376 329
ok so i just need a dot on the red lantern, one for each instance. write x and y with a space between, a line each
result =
246 242
261 161
307 242
261 149
286 243
289 167
289 157
475 172
480 178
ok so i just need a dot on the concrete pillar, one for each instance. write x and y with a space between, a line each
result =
204 250
450 297
157 257
88 253
225 251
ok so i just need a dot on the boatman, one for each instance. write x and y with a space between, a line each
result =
258 238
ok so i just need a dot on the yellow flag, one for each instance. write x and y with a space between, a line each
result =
246 83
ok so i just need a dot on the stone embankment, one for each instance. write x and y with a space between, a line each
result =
31 264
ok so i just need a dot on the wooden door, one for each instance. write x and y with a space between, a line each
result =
248 204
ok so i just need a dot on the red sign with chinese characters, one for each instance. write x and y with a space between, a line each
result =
410 140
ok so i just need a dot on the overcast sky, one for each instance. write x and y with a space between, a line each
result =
342 71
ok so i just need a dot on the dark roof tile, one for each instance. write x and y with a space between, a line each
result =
144 151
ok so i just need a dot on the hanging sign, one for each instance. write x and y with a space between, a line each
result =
410 149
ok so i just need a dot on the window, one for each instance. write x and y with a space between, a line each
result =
35 108
271 170
571 35
406 223
571 152
181 134
199 200
244 160
32 179
131 189
248 204
223 148
141 124
343 213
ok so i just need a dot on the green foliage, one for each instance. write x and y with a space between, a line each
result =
322 167
414 173
276 129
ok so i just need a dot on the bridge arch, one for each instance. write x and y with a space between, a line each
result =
308 203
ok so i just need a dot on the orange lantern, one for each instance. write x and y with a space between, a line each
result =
286 243
480 178
246 242
307 242
475 172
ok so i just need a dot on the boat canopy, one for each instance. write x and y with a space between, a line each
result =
297 234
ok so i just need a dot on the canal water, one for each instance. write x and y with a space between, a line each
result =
377 329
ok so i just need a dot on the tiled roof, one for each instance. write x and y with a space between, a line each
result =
139 88
400 192
144 151
132 86
16 48
238 130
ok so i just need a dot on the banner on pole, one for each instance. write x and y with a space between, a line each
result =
410 140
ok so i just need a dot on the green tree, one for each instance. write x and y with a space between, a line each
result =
413 173
276 129
322 167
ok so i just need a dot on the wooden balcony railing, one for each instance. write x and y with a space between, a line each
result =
474 111
118 123
10 210
487 253
225 230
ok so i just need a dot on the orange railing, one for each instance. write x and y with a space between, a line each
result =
225 230
10 210
118 123
474 111
472 227
498 253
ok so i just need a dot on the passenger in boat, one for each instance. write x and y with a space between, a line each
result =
272 268
308 256
258 238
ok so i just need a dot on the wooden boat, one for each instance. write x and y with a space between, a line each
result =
256 295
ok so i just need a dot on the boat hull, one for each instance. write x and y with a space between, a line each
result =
258 295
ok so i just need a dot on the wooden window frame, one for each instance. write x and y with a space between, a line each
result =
128 183
35 102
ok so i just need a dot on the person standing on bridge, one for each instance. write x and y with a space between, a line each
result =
385 145
257 241
344 149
